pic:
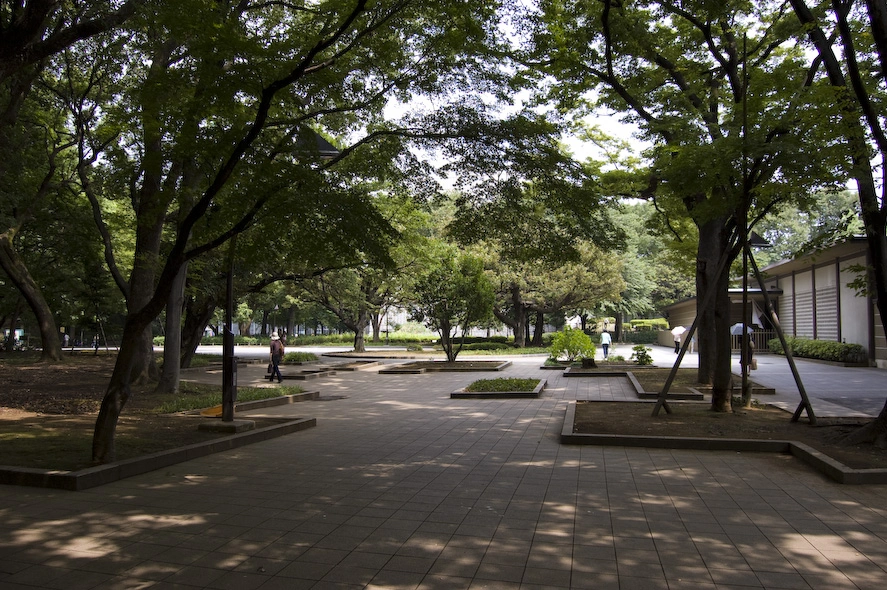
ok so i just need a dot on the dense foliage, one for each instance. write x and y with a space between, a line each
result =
571 345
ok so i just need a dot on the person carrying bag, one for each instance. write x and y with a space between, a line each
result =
276 357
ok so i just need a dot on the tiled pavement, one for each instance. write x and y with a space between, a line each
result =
400 486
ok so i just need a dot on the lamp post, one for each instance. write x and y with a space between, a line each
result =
229 362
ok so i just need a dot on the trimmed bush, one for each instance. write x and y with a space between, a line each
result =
487 346
825 350
642 337
649 325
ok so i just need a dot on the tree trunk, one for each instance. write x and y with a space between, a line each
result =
172 343
198 313
142 368
264 330
359 344
377 327
118 392
17 311
18 273
618 326
873 216
517 319
713 323
446 341
291 322
539 329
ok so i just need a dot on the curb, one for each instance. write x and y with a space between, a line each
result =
834 470
99 475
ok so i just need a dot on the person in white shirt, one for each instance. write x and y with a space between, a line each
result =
605 343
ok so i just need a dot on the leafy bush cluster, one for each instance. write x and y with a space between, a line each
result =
825 350
571 345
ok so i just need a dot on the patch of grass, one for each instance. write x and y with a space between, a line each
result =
299 357
197 396
204 360
502 384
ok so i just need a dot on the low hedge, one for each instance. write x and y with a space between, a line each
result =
487 346
825 350
647 325
642 337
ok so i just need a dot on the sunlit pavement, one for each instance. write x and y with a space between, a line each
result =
400 486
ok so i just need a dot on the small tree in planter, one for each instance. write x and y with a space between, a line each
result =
571 345
641 355
454 296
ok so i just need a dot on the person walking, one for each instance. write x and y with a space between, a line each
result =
276 357
606 341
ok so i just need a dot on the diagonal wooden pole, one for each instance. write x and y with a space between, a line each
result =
774 318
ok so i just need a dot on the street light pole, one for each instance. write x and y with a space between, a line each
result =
229 363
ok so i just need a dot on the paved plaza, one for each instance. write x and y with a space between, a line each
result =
399 486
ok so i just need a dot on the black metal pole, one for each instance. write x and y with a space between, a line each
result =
229 385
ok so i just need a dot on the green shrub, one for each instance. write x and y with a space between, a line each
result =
571 344
825 350
641 355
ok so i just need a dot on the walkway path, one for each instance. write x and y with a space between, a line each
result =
399 486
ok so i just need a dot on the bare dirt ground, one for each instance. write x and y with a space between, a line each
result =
47 415
697 420
48 412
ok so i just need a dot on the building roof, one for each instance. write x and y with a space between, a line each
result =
849 248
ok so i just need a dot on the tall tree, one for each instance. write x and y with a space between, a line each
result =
452 297
859 82
32 36
216 103
732 126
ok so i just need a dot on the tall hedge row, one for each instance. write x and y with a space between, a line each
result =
825 350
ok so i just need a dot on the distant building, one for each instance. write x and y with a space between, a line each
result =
812 300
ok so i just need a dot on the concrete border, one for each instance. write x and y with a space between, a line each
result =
101 474
834 470
276 401
462 394
694 395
